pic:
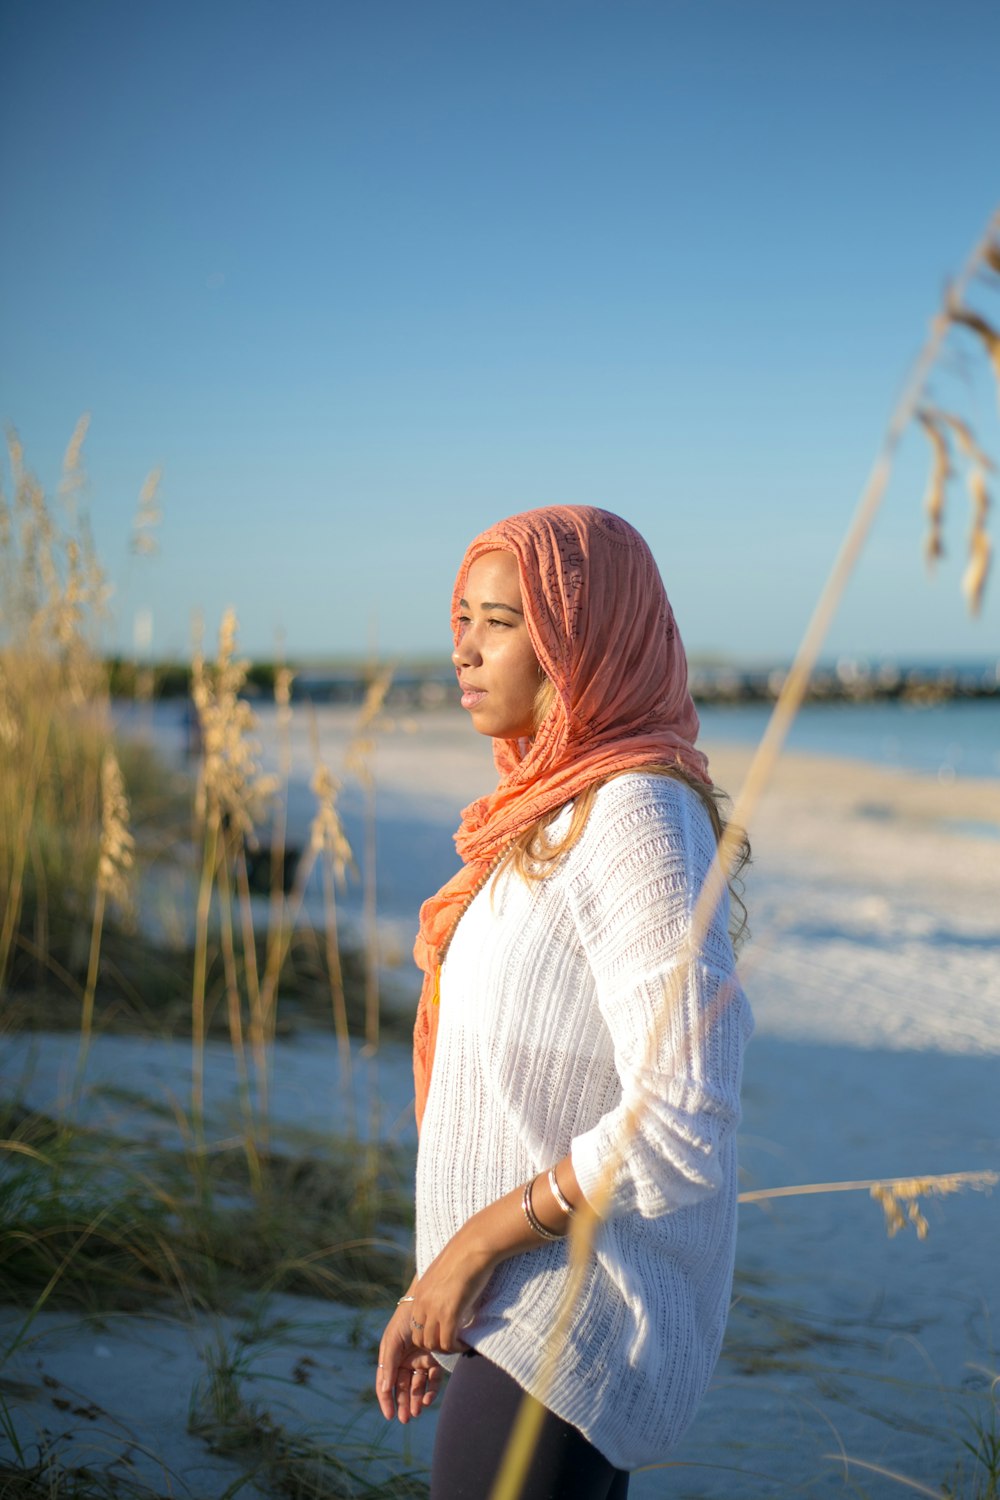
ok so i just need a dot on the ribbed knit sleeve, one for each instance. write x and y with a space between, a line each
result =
678 1030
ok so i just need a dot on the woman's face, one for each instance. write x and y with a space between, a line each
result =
495 661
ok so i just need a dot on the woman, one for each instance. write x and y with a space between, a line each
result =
561 1031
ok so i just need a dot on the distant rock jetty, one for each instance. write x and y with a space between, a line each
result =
850 679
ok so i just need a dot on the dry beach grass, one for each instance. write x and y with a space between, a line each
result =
84 1226
81 817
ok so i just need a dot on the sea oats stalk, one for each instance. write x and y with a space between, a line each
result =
360 761
283 679
234 1007
72 480
914 1485
899 1196
974 578
52 599
232 784
980 549
937 485
248 944
261 1019
328 842
67 591
10 726
987 334
15 815
584 1225
280 935
115 862
328 845
200 694
143 542
24 761
231 795
147 517
938 425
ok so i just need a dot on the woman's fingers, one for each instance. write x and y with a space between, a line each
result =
417 1336
417 1382
404 1380
385 1380
418 1387
384 1393
449 1339
428 1333
433 1376
433 1384
391 1353
408 1377
425 1332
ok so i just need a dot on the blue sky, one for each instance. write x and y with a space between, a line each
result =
365 277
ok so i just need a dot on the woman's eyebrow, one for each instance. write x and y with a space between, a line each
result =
509 607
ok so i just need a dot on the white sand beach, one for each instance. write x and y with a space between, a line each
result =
874 974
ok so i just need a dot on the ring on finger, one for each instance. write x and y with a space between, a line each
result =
414 1324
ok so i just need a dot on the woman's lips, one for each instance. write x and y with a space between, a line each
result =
472 697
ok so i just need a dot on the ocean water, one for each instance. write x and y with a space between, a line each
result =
959 738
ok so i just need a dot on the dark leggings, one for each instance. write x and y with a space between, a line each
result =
477 1416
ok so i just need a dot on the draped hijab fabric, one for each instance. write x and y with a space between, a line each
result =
604 633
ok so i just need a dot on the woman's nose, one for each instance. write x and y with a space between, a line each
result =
466 652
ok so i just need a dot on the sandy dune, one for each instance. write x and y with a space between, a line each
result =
874 973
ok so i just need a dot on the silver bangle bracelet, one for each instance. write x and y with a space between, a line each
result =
533 1220
559 1195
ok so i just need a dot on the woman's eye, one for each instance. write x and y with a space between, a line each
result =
506 624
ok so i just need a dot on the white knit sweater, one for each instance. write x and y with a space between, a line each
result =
548 997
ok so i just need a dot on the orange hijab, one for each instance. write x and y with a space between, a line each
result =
604 634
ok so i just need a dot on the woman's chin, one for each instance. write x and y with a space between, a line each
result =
485 720
484 724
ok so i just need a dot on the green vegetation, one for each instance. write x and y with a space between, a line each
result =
87 1225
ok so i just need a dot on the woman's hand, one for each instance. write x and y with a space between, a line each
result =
437 1306
414 1385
